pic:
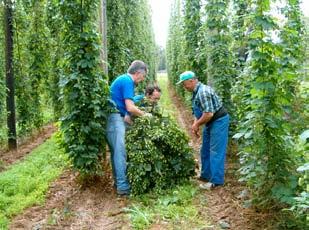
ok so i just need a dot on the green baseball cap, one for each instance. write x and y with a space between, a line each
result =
185 76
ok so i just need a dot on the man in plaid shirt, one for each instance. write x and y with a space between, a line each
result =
210 113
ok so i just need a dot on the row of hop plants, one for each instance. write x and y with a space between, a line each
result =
130 36
32 56
258 78
39 54
269 94
57 67
84 87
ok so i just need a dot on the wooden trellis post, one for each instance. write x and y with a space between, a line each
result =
103 30
10 101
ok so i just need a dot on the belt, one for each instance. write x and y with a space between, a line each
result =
119 114
220 113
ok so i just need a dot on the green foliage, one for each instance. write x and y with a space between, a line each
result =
219 57
306 45
38 61
166 103
266 154
2 85
117 37
25 183
201 45
31 63
240 40
84 88
192 24
161 59
21 73
175 46
55 25
241 20
37 46
143 37
201 55
130 36
158 154
300 203
292 62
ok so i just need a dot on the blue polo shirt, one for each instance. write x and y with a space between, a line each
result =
122 88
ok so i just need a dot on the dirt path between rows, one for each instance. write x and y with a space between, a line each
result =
95 205
72 205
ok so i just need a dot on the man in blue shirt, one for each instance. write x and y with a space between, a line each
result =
210 113
122 93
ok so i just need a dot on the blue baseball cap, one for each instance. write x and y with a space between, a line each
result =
185 76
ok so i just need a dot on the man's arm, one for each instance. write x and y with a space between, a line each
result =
132 108
203 120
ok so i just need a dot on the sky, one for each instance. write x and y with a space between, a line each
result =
161 13
160 18
305 7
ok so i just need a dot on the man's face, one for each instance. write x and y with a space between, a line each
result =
140 76
154 97
189 85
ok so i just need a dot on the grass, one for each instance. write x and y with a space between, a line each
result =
165 101
25 183
175 209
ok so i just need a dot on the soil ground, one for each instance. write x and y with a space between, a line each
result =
95 205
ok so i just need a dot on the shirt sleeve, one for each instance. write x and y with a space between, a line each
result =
128 89
138 98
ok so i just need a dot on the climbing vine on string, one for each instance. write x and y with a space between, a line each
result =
85 88
266 157
176 46
2 84
220 70
192 24
55 25
39 63
130 36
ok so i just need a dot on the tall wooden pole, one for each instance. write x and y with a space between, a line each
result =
10 101
103 30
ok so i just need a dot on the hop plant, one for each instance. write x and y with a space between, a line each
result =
159 156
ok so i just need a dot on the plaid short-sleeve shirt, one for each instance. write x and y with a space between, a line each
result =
205 98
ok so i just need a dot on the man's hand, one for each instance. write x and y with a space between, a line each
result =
195 129
127 119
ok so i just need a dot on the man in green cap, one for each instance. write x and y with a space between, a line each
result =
210 113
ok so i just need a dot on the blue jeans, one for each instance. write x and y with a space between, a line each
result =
115 132
213 151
